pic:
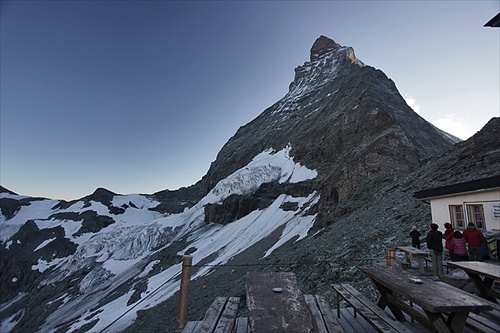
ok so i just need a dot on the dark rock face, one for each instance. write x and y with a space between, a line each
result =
9 207
233 208
237 206
322 46
16 260
101 195
174 202
344 119
91 221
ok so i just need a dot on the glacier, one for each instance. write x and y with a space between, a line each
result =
122 252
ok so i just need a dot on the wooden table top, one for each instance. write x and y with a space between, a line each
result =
271 311
413 251
478 267
436 297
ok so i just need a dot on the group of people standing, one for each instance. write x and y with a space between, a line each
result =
461 246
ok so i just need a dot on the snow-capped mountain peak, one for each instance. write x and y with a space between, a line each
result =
318 183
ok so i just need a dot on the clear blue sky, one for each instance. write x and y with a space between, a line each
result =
139 96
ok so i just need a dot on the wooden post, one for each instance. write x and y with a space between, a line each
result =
390 256
182 308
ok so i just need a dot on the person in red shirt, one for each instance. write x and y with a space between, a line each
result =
448 236
474 239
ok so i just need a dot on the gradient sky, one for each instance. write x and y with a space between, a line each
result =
140 96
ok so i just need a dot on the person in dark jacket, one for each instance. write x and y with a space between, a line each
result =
415 237
435 246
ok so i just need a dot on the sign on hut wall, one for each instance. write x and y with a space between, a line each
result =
495 211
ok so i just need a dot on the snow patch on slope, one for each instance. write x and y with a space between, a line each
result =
121 251
266 167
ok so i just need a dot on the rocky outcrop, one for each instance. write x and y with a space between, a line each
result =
237 206
176 201
91 221
323 46
17 259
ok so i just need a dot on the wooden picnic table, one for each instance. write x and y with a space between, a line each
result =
482 275
445 307
416 254
281 310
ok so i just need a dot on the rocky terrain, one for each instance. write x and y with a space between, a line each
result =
319 184
379 218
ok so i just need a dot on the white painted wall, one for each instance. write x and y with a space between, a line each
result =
489 199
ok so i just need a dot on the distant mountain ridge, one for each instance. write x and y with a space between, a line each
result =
318 184
4 190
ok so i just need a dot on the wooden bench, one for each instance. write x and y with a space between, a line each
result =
482 324
374 315
403 264
485 322
219 318
322 315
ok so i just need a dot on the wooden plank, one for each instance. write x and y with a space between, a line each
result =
331 324
191 327
413 312
360 325
319 325
394 325
242 325
413 251
479 267
212 315
227 320
365 311
269 311
414 326
353 323
481 324
495 313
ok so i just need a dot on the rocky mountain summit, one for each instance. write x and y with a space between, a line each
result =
342 118
320 183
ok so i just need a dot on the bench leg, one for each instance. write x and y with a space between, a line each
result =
438 322
382 302
420 263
